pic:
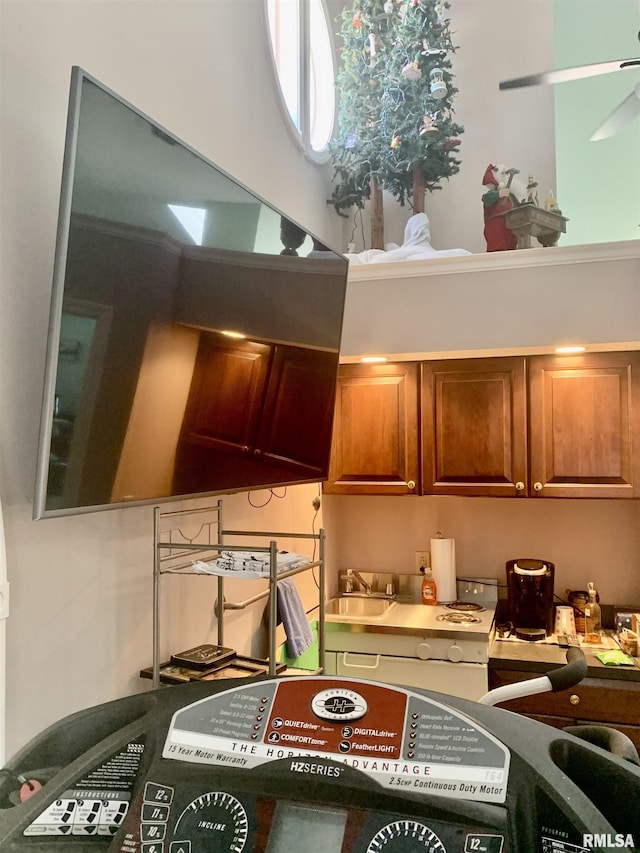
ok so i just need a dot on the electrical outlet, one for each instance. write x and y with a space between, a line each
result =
423 558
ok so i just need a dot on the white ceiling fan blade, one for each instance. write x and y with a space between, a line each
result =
623 115
564 75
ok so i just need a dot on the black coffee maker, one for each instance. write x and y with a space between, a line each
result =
530 597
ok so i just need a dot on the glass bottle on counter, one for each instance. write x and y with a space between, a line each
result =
592 613
429 592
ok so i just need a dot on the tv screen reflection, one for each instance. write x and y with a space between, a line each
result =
195 329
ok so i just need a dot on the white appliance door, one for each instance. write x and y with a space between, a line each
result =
466 680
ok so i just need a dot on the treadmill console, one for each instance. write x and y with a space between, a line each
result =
317 752
314 764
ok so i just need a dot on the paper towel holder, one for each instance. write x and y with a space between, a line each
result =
443 568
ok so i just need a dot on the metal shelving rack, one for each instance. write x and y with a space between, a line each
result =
174 554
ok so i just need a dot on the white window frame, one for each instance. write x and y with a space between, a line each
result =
302 134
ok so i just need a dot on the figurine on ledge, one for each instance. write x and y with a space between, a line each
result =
551 204
500 196
532 192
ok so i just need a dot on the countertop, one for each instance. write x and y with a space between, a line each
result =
542 656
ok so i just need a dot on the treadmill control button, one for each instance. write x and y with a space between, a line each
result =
154 793
484 843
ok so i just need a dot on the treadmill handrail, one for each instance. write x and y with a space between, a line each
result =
562 678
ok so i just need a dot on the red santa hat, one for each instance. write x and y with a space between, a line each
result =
489 177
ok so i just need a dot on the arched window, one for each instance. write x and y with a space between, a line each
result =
304 59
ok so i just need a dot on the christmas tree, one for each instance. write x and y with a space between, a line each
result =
395 106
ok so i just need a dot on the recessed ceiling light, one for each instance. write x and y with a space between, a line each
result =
568 350
373 359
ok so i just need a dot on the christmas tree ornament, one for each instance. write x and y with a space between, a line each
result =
372 44
438 87
357 19
441 18
431 51
411 71
451 144
388 7
428 124
351 142
395 142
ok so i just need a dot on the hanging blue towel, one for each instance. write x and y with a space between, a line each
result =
293 617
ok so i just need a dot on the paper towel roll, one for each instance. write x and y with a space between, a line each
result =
443 568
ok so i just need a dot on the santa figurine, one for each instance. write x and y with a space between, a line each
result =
499 197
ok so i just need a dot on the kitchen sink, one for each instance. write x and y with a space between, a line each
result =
357 607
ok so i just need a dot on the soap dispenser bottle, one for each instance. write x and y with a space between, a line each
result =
592 613
429 592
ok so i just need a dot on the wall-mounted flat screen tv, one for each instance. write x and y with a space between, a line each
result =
195 329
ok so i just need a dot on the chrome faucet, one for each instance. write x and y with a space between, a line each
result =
360 579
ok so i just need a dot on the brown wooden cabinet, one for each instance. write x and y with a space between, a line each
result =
474 427
375 437
584 429
605 701
536 426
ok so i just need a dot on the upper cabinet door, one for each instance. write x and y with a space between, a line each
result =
474 423
375 435
583 413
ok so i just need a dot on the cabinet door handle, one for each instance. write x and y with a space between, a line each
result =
574 699
375 665
537 487
520 486
411 485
